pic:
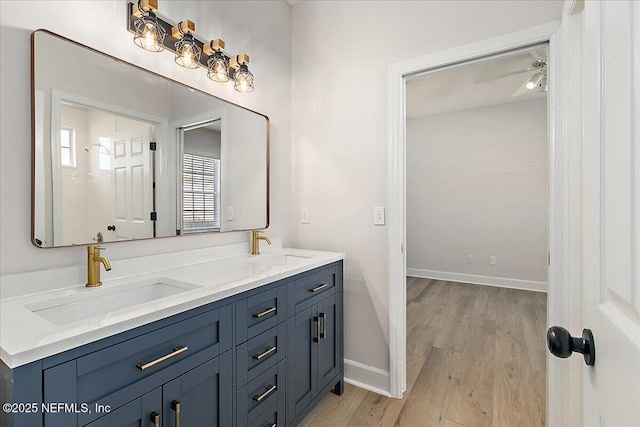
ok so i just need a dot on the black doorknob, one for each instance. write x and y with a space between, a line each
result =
562 344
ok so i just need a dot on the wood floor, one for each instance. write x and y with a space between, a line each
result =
475 357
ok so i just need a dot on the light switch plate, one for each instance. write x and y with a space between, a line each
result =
304 215
378 215
469 259
230 213
492 260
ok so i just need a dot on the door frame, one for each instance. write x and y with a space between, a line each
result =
565 249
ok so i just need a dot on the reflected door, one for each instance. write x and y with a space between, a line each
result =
133 184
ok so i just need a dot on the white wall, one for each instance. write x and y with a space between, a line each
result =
203 142
477 185
260 28
341 53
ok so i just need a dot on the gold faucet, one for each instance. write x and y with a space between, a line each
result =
255 242
93 265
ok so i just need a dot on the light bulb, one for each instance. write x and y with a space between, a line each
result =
531 85
187 58
150 41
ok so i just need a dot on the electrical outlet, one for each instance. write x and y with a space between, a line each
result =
378 215
469 259
304 215
492 260
230 213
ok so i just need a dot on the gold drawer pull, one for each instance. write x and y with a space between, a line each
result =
319 288
264 313
176 351
176 406
266 353
266 394
317 337
155 419
323 334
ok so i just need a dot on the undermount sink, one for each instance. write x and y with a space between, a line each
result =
282 259
90 303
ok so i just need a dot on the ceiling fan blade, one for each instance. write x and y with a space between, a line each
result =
539 55
500 76
521 90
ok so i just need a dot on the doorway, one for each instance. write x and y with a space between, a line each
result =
476 219
559 170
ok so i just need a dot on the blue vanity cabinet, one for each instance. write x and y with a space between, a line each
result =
188 358
260 358
202 396
143 411
314 341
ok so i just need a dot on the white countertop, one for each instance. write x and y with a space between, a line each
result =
25 336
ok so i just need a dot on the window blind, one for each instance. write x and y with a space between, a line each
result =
200 193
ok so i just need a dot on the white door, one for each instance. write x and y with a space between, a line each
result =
611 179
132 184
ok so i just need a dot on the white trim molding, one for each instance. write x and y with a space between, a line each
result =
398 73
500 282
366 377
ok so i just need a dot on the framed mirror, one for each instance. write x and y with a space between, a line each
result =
121 153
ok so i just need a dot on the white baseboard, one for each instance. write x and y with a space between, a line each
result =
366 377
501 282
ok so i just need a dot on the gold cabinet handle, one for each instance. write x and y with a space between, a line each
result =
175 405
323 334
267 352
155 419
264 313
260 398
176 351
317 337
319 288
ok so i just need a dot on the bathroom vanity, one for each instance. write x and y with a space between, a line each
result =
240 341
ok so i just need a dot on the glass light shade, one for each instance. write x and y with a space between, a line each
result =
149 34
187 52
243 79
218 68
543 86
534 81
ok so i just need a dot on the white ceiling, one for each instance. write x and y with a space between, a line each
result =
454 89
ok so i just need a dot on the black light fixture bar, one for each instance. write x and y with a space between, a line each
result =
169 41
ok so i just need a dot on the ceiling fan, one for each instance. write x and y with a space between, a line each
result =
537 81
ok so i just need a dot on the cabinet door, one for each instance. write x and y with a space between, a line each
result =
330 344
202 396
141 412
302 334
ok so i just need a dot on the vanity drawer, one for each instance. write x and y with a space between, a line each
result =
272 417
308 290
259 395
113 368
259 313
260 353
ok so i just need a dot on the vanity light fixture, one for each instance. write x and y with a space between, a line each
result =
242 77
148 34
218 63
187 50
155 34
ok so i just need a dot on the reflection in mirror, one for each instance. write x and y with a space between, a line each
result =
102 169
200 209
122 154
